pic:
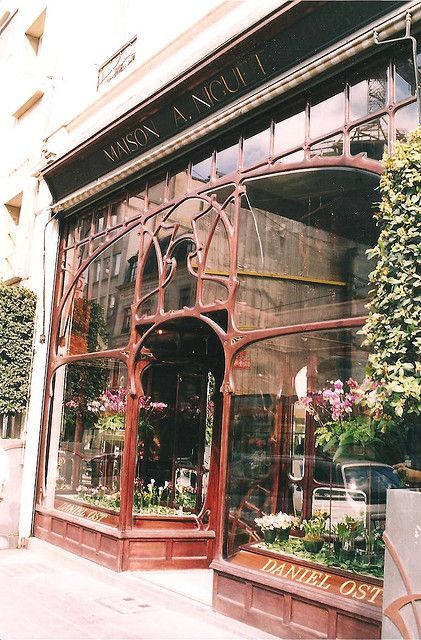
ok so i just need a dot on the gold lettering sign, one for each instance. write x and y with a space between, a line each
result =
354 588
82 512
189 108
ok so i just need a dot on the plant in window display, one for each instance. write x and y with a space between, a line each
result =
345 533
110 408
346 416
276 527
314 531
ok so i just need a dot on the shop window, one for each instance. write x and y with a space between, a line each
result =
201 172
136 204
86 439
280 459
301 248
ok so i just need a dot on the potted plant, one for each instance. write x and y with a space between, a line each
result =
266 525
346 420
314 531
110 408
345 534
283 525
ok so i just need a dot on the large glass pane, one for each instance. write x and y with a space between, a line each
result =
87 438
284 472
92 319
302 242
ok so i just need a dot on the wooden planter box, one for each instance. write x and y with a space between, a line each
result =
295 598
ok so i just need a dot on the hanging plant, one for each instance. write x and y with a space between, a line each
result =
393 327
17 312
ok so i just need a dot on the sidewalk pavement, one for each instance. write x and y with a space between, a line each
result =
47 593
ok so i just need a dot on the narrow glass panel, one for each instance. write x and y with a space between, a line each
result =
117 213
84 227
327 115
136 205
201 172
301 248
404 75
156 190
87 439
177 184
406 120
297 156
368 92
333 146
100 220
256 148
227 161
371 138
149 283
289 133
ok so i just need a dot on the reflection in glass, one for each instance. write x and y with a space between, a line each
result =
201 171
87 437
289 133
370 138
301 250
156 191
272 466
256 148
181 290
227 161
173 462
368 93
333 146
297 156
177 184
404 75
406 120
327 115
92 319
136 205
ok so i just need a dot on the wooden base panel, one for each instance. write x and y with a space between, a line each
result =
287 614
128 551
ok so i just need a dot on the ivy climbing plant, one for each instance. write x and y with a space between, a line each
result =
393 328
17 313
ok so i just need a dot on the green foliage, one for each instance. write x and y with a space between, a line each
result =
393 328
17 313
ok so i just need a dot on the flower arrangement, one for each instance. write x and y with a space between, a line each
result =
147 411
276 521
315 527
345 414
110 408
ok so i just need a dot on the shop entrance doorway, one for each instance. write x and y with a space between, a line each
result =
180 452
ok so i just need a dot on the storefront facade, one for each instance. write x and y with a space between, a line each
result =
211 274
